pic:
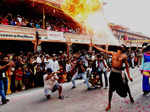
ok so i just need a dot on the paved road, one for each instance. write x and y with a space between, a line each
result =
79 100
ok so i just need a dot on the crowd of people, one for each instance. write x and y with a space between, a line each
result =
26 70
51 24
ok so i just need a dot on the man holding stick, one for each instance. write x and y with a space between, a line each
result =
116 81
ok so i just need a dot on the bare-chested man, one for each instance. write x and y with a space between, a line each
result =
116 82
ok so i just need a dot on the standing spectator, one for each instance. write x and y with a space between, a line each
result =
4 65
27 76
31 66
39 60
55 64
132 58
39 76
102 69
50 63
68 70
18 79
135 58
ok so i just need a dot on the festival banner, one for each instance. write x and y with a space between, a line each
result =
16 33
51 36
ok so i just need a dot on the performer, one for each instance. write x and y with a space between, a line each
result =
51 84
145 69
116 81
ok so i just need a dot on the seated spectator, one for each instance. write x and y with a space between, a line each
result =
49 27
28 24
62 29
13 22
19 18
23 23
37 26
66 29
4 21
18 23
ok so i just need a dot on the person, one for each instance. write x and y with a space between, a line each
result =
80 72
68 71
145 69
55 64
116 81
102 68
19 78
51 84
26 78
4 65
132 58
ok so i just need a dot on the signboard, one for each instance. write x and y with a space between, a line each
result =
51 36
78 38
16 33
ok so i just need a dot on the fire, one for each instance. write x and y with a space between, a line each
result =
89 14
81 9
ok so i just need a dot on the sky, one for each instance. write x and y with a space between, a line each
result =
134 14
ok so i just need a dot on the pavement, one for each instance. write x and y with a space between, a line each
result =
79 99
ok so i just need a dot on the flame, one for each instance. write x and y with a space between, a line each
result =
89 14
80 9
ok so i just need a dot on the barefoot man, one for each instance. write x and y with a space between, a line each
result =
116 81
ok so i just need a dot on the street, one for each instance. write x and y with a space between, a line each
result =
79 99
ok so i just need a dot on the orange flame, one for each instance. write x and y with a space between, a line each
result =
89 14
80 9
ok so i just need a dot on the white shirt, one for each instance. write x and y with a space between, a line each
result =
101 66
19 19
50 83
55 66
38 60
68 67
89 70
49 65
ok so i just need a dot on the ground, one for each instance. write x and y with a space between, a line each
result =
79 99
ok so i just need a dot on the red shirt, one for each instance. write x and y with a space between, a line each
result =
4 21
19 74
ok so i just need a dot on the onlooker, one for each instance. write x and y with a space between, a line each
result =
102 69
55 64
68 70
19 77
4 64
26 78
